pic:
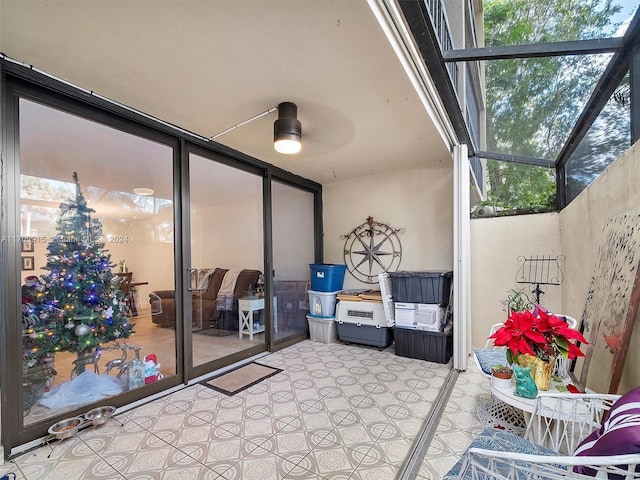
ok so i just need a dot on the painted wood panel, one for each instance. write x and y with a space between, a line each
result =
612 303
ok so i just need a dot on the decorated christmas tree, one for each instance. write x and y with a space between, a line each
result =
79 305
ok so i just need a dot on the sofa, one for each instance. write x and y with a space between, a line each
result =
209 309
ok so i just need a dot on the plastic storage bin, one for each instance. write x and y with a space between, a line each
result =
322 329
327 277
431 346
322 304
421 287
419 316
380 337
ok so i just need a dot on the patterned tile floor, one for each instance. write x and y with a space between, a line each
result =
335 412
459 423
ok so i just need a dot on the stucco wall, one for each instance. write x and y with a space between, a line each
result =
496 244
613 192
419 200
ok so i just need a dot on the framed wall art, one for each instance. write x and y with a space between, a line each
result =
27 244
27 263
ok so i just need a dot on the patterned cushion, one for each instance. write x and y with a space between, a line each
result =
619 433
499 440
490 356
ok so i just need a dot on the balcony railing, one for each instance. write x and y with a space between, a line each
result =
438 17
468 100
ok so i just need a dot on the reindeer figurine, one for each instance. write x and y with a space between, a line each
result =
81 362
125 366
117 362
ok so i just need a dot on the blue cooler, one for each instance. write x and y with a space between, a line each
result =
327 277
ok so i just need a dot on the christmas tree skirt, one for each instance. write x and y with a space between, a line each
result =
85 388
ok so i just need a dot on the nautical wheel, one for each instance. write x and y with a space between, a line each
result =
372 248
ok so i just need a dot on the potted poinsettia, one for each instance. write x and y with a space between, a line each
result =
535 339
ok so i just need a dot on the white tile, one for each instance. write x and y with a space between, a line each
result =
336 411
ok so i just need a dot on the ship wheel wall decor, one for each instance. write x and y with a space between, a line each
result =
372 248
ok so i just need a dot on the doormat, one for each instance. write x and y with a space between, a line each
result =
241 378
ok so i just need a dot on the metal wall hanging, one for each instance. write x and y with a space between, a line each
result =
372 248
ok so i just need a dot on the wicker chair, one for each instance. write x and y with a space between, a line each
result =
557 426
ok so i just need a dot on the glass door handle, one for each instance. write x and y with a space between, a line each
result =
191 287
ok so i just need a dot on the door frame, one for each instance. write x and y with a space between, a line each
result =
193 372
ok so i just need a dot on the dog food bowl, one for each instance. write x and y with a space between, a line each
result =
65 428
100 415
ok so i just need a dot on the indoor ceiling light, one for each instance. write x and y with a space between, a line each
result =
143 191
287 131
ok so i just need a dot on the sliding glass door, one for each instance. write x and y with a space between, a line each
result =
225 268
95 238
293 251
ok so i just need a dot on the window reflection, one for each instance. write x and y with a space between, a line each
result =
293 251
608 137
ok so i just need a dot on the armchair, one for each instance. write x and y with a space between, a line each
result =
206 310
203 302
579 436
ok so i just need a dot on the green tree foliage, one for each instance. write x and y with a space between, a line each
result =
532 104
519 188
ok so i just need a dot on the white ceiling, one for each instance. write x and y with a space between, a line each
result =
208 65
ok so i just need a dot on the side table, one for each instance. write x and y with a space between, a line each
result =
246 307
508 395
511 412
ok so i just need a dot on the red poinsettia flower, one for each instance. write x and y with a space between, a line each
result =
559 335
518 334
538 333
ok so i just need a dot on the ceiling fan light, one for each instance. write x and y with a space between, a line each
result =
287 146
287 130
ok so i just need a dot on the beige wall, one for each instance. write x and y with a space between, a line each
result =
613 192
496 244
419 200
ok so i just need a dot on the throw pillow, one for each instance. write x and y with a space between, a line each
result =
619 433
501 441
487 357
